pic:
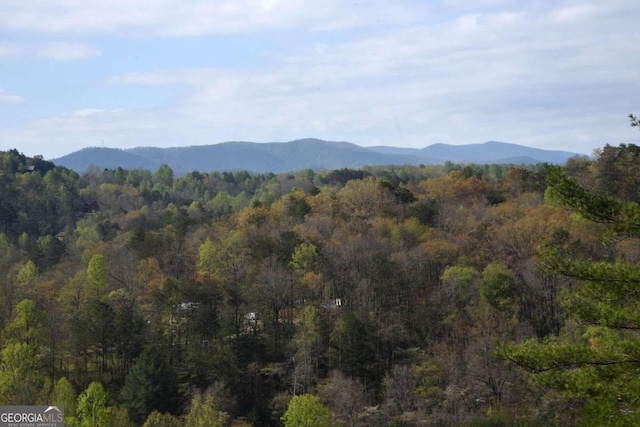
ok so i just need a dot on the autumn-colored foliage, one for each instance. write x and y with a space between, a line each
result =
373 297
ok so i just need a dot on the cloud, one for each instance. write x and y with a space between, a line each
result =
8 99
66 51
546 74
516 75
8 50
57 51
85 112
198 17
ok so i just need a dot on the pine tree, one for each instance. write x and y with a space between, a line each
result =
595 362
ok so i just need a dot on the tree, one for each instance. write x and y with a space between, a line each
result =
163 178
64 395
204 413
365 198
307 340
28 325
207 263
353 349
346 397
304 264
400 386
92 408
226 259
275 287
594 361
617 173
97 275
101 326
147 387
26 280
49 251
497 288
73 300
22 359
21 379
307 411
156 419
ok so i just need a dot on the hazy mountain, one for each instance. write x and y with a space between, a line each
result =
301 154
488 152
102 157
493 152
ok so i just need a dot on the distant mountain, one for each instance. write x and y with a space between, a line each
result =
494 152
102 157
308 153
486 153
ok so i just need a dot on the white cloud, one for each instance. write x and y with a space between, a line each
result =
85 112
8 50
197 17
8 99
57 51
550 74
66 51
573 14
514 76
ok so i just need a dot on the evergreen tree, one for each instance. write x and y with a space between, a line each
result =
595 362
147 387
92 408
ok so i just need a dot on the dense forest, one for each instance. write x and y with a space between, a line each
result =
452 295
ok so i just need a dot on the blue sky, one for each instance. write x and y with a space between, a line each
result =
552 74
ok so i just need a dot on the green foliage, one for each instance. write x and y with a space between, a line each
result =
163 178
425 211
297 205
204 413
304 258
147 387
28 325
352 349
26 280
595 372
594 364
461 282
64 395
22 381
621 217
497 287
207 263
50 251
307 411
97 276
93 407
101 328
181 268
157 419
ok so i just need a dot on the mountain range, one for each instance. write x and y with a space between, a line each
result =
300 154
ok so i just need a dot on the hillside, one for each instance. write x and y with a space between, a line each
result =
388 295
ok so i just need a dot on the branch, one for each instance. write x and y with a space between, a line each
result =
570 364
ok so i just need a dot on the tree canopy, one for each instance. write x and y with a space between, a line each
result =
393 295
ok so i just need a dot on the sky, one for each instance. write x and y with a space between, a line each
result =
550 74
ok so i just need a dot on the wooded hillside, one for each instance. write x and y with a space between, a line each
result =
379 296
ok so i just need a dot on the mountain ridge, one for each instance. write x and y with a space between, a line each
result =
307 153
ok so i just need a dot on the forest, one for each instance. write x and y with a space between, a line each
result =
451 295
